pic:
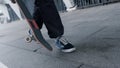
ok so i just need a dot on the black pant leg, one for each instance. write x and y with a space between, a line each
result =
50 17
37 17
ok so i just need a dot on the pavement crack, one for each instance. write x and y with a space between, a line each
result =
92 34
16 47
2 35
81 65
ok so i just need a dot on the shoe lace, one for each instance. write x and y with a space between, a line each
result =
63 40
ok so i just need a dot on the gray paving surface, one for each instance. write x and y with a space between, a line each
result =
95 32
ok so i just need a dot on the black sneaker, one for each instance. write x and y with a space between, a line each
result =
64 45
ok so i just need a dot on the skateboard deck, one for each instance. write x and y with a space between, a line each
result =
35 28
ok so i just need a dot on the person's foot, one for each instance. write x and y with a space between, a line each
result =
72 8
64 45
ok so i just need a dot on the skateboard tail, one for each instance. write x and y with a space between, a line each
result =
38 35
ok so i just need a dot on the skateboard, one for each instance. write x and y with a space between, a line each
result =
37 35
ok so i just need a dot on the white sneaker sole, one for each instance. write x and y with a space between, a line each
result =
72 9
68 50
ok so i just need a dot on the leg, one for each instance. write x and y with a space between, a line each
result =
37 15
48 14
68 3
50 17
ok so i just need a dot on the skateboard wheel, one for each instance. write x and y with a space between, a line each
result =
28 39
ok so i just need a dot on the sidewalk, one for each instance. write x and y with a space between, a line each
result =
94 31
